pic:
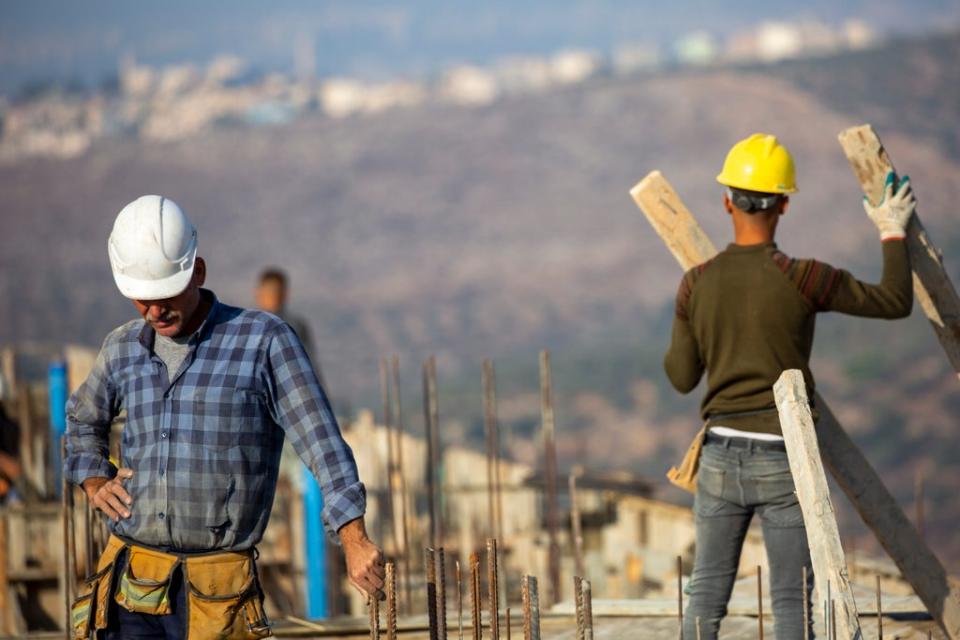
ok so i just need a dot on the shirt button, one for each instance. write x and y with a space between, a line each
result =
162 515
163 434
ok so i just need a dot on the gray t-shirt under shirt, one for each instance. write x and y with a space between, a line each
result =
173 351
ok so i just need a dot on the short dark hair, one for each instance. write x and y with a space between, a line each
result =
274 274
754 201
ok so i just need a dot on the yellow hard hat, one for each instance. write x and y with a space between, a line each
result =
759 163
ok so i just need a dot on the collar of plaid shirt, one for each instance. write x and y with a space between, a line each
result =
204 442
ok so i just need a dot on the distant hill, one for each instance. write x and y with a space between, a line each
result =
500 230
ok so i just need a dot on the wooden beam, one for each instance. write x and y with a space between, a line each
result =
823 536
853 472
931 284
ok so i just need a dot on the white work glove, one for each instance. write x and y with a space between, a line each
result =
893 212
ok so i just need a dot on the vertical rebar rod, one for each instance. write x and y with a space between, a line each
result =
575 527
89 517
806 606
391 515
398 432
760 600
373 607
531 608
833 621
493 593
391 580
550 473
698 627
578 604
431 466
430 568
508 622
441 593
459 577
67 508
475 603
488 424
680 594
879 612
586 595
827 610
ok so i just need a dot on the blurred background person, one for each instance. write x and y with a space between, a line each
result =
273 289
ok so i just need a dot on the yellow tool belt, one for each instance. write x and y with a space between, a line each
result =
685 476
223 595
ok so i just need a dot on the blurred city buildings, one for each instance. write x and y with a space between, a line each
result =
175 102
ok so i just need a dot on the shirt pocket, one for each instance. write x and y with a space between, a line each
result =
226 418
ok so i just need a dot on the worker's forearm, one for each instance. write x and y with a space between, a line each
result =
891 298
353 531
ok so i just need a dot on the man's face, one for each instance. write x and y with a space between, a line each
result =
171 316
271 296
168 317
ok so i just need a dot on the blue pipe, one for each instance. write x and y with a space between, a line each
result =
57 393
316 597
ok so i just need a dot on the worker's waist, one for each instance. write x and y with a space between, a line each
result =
212 553
749 444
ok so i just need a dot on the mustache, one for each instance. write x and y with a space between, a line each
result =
165 317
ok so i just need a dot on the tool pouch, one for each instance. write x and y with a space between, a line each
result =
685 476
90 610
224 598
145 581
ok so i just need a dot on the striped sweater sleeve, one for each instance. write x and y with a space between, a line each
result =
826 288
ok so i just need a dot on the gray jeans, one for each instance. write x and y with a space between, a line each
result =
733 483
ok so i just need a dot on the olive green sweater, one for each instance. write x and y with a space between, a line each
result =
749 313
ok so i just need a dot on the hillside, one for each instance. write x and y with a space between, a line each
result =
497 231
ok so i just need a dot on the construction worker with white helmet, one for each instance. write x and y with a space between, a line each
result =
743 318
211 392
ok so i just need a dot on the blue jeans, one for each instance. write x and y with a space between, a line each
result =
733 483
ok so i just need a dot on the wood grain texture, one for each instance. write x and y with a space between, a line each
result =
823 536
934 290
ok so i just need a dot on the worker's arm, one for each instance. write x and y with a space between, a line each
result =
298 404
893 297
90 412
682 363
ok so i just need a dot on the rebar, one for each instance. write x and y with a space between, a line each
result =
879 612
578 605
431 571
531 608
475 603
441 593
680 594
67 506
459 577
760 600
388 426
587 597
398 432
575 526
373 607
806 606
493 588
698 627
550 473
508 623
431 421
391 601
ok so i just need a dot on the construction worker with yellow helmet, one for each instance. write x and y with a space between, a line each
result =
742 318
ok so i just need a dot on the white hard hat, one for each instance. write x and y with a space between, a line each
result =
153 248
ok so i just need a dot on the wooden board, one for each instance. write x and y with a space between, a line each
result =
853 472
823 535
931 284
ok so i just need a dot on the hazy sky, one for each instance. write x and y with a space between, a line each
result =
65 39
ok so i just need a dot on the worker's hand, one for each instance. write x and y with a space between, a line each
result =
364 559
892 214
109 496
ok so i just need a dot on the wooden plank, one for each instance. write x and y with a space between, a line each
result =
853 472
893 529
931 284
823 536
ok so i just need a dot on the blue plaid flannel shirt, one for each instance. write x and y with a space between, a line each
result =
204 444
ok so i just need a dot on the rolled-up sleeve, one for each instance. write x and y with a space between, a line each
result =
299 405
90 412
